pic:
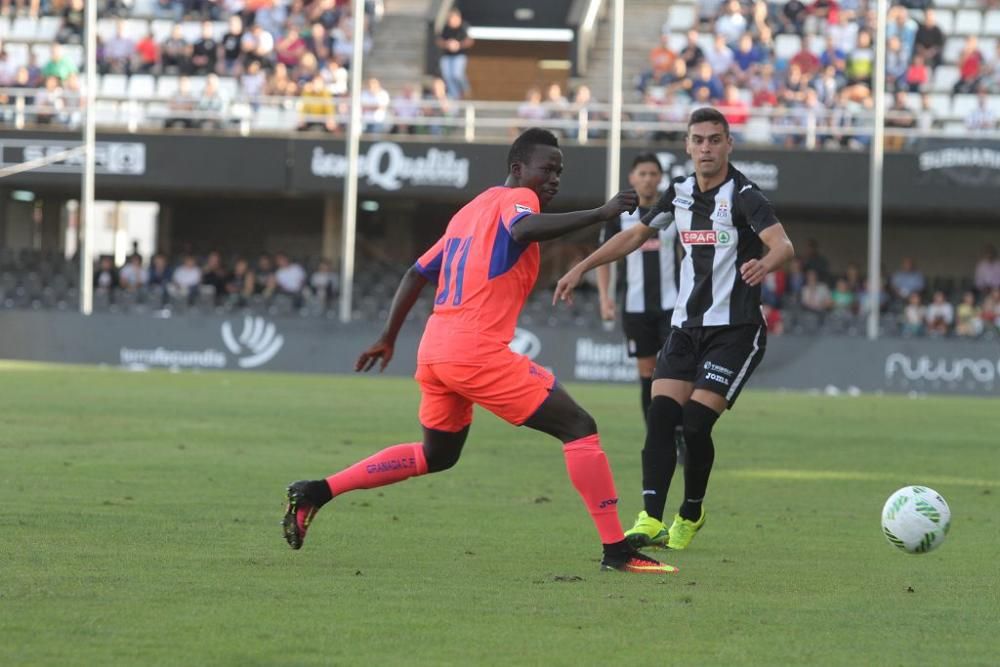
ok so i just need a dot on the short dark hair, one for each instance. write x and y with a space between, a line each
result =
708 115
643 158
524 145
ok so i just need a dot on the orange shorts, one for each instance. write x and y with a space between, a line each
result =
508 384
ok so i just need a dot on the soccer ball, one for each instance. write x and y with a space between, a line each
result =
916 519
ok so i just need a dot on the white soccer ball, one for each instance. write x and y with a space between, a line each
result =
916 519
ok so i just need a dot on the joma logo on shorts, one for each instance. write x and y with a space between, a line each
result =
717 378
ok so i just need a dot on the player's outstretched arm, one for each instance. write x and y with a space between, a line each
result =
545 226
615 248
779 251
406 295
604 293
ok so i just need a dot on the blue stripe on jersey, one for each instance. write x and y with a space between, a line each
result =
506 251
432 270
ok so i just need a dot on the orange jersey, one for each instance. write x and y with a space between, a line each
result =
483 277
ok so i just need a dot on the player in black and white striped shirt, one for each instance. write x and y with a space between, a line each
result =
724 223
650 277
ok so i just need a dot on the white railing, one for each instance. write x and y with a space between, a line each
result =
459 120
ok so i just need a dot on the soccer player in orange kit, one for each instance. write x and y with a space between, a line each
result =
485 266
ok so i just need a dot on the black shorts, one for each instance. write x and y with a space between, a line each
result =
646 333
718 359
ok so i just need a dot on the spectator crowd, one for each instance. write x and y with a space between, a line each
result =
735 56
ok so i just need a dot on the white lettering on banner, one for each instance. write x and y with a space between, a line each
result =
165 358
603 361
259 337
386 166
256 345
526 343
923 368
985 158
125 158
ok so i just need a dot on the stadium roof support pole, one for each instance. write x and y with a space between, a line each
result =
615 131
85 212
351 177
875 176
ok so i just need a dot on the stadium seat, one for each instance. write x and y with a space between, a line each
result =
113 85
786 46
166 86
142 86
161 29
955 128
229 87
75 53
677 41
945 78
681 17
4 27
23 29
991 23
106 28
48 26
41 51
945 20
968 22
17 53
817 44
197 84
191 31
105 112
940 104
136 29
947 3
962 105
142 7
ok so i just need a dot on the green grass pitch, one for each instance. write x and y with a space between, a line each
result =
139 525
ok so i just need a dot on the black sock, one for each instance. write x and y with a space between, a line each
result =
616 549
646 387
318 492
698 422
659 456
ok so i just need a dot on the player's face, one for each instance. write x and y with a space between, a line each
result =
645 178
709 147
541 173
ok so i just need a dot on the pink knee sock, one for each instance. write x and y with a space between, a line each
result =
391 465
591 475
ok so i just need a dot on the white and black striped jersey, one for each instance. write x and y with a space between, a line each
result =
718 230
650 271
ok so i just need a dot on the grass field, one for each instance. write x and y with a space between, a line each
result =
140 525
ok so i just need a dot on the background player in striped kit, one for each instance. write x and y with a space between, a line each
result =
718 338
650 277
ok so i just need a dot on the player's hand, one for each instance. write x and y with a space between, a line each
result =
626 200
566 285
380 350
753 272
608 310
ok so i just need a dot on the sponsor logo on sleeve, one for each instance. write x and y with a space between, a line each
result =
521 208
683 202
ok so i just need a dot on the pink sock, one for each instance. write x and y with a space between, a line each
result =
391 465
591 475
